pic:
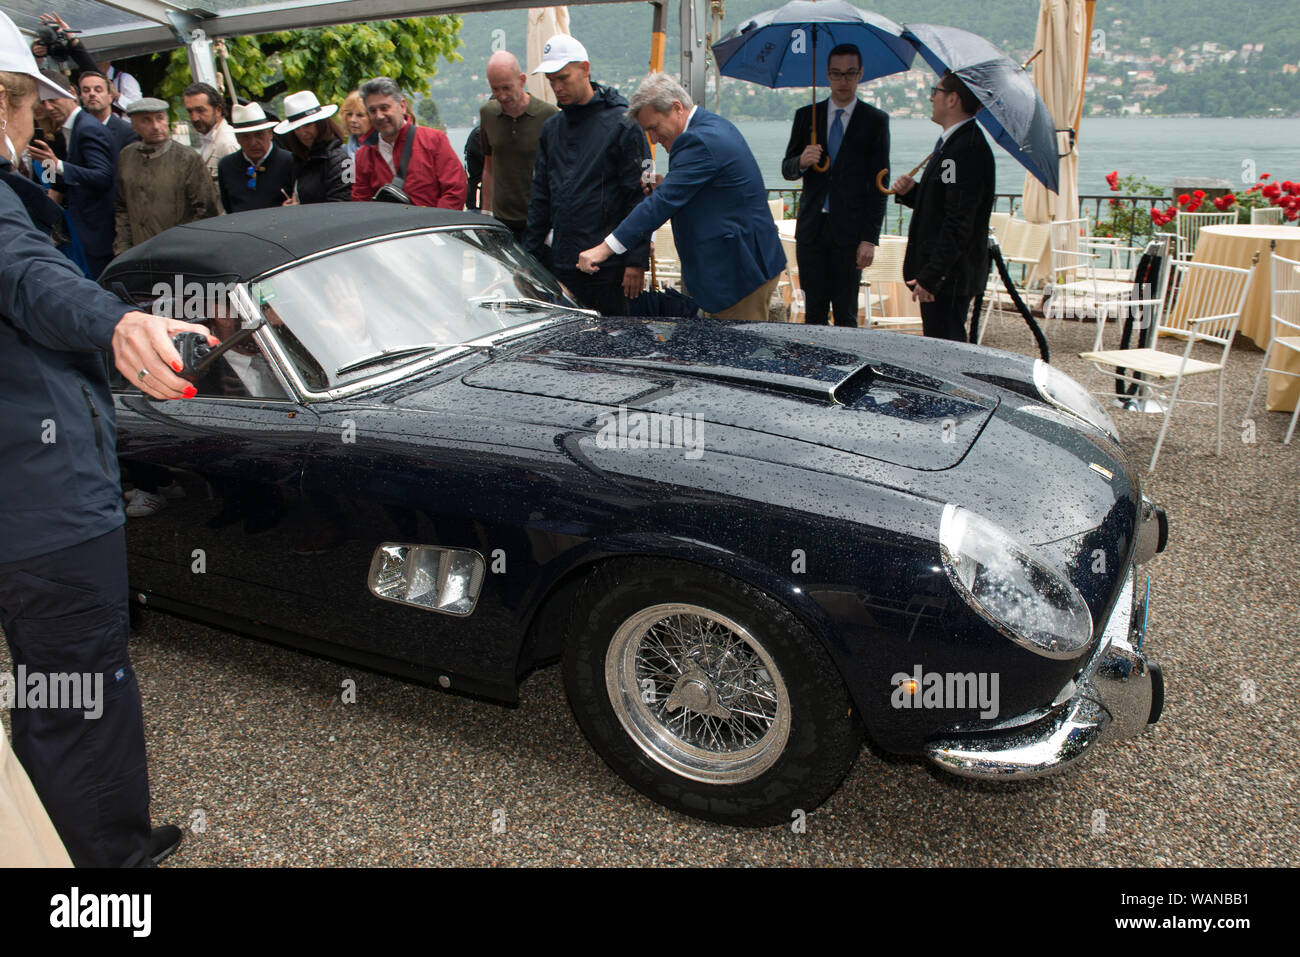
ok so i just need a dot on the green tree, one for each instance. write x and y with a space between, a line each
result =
426 111
331 61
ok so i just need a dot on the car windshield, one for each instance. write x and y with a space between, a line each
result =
372 306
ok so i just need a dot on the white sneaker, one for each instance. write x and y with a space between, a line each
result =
144 504
173 491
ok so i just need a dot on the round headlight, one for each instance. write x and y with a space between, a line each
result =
1019 593
1058 389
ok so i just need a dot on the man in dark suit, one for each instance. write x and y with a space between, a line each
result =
722 226
88 174
260 175
841 210
97 99
947 260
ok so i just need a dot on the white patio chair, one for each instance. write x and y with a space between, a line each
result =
777 206
788 286
668 268
1218 296
1268 216
886 267
1114 259
1143 299
1188 227
1284 309
1071 285
1022 244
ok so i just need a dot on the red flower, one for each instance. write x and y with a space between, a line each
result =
1199 193
1157 217
1112 179
1114 202
1292 215
1272 191
1224 203
1184 199
1294 189
1265 176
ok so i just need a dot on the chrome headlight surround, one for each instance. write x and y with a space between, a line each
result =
1058 389
1020 594
438 579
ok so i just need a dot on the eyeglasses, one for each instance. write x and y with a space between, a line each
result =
938 89
843 74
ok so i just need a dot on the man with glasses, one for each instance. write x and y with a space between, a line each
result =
840 211
259 175
947 260
160 183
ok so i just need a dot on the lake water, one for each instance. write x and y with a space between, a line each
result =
1158 148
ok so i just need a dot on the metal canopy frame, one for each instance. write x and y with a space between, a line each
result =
149 26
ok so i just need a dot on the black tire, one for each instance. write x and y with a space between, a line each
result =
650 619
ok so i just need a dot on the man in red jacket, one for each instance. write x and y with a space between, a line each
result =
434 176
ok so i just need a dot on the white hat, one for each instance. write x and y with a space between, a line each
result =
16 57
560 50
301 109
250 117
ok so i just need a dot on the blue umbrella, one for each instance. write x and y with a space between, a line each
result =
1012 112
778 48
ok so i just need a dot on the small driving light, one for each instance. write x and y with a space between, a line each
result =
426 576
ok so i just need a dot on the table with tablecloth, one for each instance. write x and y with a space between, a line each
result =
1237 246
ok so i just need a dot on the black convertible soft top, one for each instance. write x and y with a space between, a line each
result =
242 246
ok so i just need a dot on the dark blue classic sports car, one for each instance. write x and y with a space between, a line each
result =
749 545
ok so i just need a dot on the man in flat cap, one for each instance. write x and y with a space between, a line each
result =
160 183
260 175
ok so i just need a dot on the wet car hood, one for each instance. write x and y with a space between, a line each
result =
774 379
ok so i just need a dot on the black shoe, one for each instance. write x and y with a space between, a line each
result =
164 841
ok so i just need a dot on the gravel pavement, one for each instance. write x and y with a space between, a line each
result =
254 749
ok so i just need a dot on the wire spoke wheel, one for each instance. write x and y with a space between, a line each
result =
698 693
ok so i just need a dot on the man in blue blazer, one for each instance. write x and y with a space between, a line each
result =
97 100
89 175
722 226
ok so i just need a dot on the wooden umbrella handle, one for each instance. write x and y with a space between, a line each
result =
881 176
823 164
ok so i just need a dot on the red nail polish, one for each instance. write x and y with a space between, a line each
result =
190 392
178 366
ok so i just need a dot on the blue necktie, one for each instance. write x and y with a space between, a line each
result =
836 136
833 141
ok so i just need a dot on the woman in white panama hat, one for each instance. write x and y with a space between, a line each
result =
321 161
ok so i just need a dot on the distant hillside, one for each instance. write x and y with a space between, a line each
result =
1150 32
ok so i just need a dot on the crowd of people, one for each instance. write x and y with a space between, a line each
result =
572 181
90 168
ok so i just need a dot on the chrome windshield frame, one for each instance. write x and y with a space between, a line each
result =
287 370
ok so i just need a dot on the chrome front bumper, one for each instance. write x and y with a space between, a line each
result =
1117 694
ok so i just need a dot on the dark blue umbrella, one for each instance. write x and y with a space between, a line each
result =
1013 112
779 48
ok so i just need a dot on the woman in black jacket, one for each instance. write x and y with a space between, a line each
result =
322 168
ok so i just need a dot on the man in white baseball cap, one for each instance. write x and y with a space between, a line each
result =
587 178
